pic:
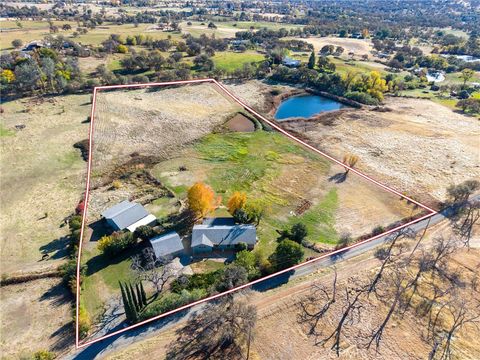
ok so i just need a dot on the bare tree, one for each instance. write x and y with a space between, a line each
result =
157 271
217 332
464 221
460 311
316 304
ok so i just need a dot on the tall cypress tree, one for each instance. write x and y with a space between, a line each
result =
311 60
139 296
126 304
134 298
132 304
144 295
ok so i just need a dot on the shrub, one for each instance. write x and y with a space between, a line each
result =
122 49
241 246
144 232
69 274
84 322
361 97
241 216
378 230
172 301
17 43
464 94
44 355
195 281
116 243
116 184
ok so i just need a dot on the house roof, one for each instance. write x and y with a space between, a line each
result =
144 221
223 235
125 214
166 244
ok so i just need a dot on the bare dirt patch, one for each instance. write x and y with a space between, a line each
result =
240 123
35 316
419 147
357 46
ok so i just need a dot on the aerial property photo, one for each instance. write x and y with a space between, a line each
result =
259 180
192 193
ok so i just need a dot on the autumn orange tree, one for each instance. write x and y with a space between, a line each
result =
202 199
237 201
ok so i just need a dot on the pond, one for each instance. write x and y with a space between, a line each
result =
306 106
435 76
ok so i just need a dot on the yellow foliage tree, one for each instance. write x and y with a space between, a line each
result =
350 160
7 76
201 199
236 201
376 86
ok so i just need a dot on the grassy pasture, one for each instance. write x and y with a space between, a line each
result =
230 61
37 30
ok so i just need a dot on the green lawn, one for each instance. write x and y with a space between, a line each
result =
229 61
102 278
5 132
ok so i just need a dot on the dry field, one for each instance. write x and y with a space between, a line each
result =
419 147
42 177
35 316
154 123
278 335
357 46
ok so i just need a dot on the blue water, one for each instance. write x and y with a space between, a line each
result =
305 106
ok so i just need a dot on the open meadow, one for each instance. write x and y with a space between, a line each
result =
42 178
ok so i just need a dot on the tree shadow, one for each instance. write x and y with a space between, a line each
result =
59 295
59 248
98 229
273 282
65 337
100 262
338 178
92 351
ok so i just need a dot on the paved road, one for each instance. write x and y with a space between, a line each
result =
138 334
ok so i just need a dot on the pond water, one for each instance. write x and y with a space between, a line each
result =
305 106
435 76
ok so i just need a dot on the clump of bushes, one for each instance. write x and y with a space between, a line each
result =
361 97
84 321
172 301
44 355
116 243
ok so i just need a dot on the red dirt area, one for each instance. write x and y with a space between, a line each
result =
240 123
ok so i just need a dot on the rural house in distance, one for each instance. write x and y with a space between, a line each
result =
127 215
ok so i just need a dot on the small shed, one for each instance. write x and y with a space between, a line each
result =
127 215
168 244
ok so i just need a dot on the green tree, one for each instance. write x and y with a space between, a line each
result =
466 75
311 60
287 254
126 303
144 295
16 43
298 232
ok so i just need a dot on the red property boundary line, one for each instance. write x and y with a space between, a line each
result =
79 345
